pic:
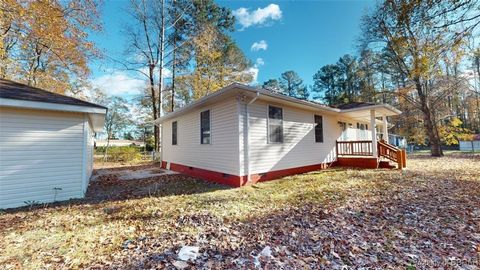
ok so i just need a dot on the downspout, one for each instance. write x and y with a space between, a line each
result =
247 135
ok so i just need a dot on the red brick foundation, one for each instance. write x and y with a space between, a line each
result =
212 176
237 181
254 178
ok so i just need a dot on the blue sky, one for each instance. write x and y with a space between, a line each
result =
289 35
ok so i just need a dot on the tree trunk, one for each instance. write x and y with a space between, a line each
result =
428 122
477 92
154 105
105 153
160 71
173 75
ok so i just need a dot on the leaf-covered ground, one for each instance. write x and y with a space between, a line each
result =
426 217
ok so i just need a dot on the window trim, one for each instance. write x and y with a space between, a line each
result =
210 123
359 126
176 132
268 125
314 126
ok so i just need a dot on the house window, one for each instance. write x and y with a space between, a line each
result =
205 127
174 133
275 124
318 128
361 126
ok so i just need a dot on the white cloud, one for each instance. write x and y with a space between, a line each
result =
254 72
167 73
257 46
119 83
259 62
261 16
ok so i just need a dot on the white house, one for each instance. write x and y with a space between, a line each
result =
241 135
46 145
470 146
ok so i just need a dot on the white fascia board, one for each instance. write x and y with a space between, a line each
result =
96 115
261 92
390 108
288 99
7 102
241 87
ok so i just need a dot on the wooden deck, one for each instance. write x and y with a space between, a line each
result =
360 154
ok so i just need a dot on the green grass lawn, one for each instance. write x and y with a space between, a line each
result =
335 217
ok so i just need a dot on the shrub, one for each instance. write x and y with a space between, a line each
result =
123 154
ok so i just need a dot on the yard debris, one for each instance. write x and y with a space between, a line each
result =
265 253
188 253
128 244
180 264
426 218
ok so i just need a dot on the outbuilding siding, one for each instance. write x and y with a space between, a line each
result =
221 155
40 151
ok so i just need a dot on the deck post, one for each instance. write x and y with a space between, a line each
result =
336 148
374 133
385 128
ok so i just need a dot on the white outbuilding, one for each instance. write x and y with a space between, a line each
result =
46 145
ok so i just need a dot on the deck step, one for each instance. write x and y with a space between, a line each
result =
385 165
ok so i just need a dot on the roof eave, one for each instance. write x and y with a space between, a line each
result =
96 114
394 110
7 102
242 88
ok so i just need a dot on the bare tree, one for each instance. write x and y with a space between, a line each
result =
146 50
418 34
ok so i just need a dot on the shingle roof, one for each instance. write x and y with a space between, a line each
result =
355 105
13 90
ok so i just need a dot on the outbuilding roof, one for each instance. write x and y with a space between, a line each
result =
17 95
14 90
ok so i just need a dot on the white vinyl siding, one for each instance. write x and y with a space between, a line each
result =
41 151
298 148
221 155
89 154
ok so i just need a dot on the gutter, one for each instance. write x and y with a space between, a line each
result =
246 135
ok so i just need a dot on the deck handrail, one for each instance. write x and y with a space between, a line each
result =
354 148
392 153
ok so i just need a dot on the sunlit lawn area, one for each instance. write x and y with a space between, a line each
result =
372 218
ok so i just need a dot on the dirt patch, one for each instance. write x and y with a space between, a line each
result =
132 173
138 181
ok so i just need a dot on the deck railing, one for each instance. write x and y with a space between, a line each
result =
354 148
392 153
364 148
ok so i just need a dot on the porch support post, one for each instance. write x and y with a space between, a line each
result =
385 128
374 133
